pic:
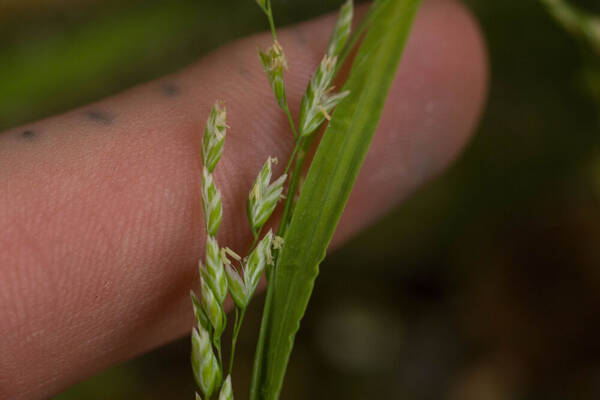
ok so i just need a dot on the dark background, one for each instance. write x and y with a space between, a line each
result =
484 285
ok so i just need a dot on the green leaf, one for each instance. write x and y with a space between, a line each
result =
326 190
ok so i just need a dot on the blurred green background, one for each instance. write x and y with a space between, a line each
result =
484 285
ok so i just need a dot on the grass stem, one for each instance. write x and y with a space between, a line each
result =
239 319
269 12
291 120
301 150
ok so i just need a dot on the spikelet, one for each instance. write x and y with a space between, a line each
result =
255 265
211 201
242 288
318 102
319 99
274 63
215 273
237 287
212 308
226 390
214 136
342 30
204 363
263 197
201 318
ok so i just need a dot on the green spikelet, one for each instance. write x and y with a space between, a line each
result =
263 197
204 363
342 30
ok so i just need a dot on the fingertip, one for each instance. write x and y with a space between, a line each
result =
432 110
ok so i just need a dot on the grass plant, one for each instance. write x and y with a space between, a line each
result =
291 257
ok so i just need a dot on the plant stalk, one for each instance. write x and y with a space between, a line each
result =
291 120
239 319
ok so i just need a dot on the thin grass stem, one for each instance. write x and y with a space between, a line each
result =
303 146
239 319
269 12
293 156
255 241
291 120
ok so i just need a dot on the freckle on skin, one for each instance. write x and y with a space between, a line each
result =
100 117
170 89
28 134
245 72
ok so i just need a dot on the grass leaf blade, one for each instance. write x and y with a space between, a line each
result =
326 190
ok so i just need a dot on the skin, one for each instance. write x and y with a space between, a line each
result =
100 208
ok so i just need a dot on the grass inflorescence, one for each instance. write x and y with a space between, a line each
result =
223 271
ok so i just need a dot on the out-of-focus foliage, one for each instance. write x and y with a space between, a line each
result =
484 285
